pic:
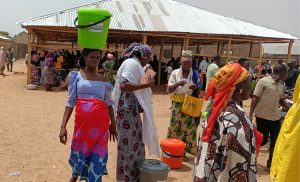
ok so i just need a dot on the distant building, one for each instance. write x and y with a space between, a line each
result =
279 51
20 47
6 42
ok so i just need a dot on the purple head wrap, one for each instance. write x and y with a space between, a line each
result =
137 48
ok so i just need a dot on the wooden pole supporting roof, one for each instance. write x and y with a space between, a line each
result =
29 57
160 60
260 59
290 49
144 38
186 43
228 50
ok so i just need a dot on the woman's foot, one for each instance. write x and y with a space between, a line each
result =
73 179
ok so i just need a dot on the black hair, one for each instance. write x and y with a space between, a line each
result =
85 53
242 61
137 54
279 68
216 58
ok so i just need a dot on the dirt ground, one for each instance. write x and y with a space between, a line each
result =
29 126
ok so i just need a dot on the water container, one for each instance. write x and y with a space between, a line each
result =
153 171
172 152
93 25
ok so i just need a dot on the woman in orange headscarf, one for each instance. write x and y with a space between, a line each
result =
227 148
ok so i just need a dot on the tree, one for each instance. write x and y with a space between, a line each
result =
5 33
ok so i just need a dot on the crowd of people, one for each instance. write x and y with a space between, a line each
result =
117 106
120 109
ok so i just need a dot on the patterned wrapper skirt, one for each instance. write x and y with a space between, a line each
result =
36 75
131 149
230 154
183 127
89 152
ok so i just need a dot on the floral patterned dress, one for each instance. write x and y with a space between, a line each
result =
131 149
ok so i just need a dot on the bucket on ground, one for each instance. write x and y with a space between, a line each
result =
172 152
153 171
93 25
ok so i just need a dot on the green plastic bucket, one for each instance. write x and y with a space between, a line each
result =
93 25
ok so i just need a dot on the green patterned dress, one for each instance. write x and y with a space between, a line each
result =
183 127
108 71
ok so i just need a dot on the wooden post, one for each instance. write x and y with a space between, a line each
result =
222 49
250 51
186 42
290 49
181 48
29 57
39 41
228 50
218 49
117 52
144 38
260 59
160 59
172 50
198 49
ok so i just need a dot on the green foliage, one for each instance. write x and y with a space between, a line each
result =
5 33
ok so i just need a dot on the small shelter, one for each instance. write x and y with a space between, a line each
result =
158 23
21 41
6 42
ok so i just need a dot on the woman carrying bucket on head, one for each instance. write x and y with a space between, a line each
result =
133 97
183 81
226 150
94 119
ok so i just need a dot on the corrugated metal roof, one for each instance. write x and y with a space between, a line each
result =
160 15
4 38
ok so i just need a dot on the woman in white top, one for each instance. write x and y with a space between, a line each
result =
182 126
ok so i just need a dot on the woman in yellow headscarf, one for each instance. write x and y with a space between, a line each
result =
226 151
286 160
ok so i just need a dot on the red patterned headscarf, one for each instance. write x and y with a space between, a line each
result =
221 88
